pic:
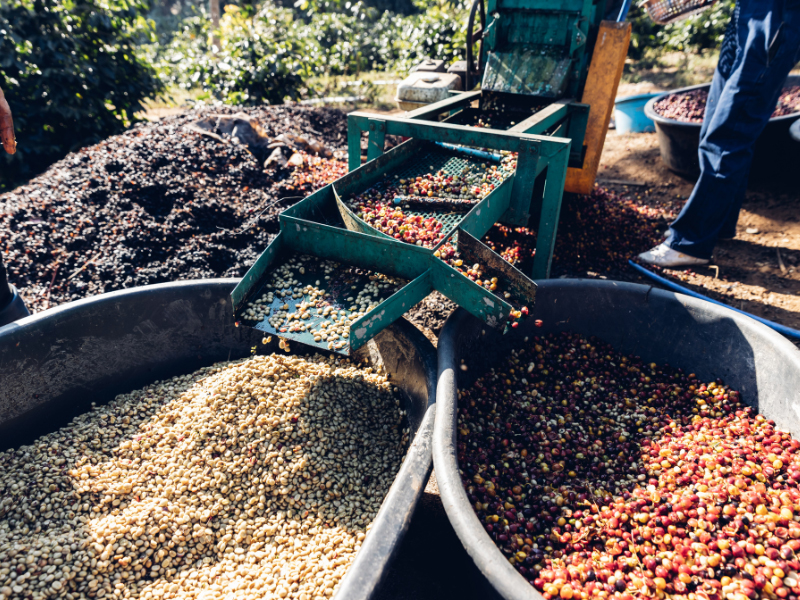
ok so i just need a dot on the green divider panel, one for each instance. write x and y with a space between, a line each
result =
390 310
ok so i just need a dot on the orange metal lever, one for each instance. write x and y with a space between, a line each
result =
599 93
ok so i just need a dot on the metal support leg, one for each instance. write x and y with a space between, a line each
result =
551 209
377 138
519 211
576 131
353 143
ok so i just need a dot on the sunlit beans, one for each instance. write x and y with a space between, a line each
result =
258 478
624 479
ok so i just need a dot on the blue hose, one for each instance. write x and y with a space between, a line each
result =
472 152
623 11
787 331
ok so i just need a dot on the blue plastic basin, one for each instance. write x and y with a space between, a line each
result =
629 114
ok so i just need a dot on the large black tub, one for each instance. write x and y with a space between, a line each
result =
775 152
54 364
658 326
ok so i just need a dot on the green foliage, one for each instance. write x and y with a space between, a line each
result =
277 51
273 54
346 42
309 8
71 74
365 39
259 59
439 32
700 32
703 31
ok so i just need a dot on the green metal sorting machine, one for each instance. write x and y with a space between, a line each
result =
536 54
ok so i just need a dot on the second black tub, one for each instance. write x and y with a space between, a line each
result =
659 326
775 152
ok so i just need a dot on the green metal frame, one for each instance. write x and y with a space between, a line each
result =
537 153
547 139
338 234
572 116
559 27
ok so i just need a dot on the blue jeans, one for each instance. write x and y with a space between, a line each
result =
761 46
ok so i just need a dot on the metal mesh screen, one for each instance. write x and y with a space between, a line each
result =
342 283
491 118
433 160
669 11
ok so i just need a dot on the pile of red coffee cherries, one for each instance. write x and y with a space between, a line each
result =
477 272
317 172
412 229
599 233
601 476
789 101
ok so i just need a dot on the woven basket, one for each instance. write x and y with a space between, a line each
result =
669 11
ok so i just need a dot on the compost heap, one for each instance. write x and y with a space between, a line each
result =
161 202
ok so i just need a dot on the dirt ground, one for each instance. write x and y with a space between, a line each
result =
758 271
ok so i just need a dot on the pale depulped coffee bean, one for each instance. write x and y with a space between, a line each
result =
258 478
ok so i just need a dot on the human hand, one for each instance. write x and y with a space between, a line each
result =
6 126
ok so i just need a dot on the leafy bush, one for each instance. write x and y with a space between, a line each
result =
701 32
439 32
259 59
366 39
273 54
70 72
314 7
347 42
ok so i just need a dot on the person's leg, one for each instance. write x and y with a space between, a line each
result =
715 92
5 290
662 254
788 40
768 40
725 65
728 229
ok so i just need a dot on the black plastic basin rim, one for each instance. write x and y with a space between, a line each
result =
640 320
54 363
